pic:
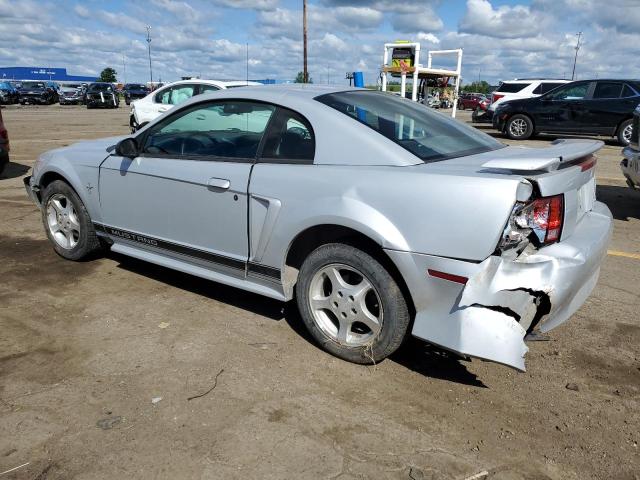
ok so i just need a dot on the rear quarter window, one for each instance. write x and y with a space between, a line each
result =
507 87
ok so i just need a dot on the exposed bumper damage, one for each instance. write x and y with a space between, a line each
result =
504 299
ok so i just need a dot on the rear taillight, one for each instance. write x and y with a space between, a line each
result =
543 217
495 97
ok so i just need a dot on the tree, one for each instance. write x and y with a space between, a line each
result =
108 75
477 87
300 78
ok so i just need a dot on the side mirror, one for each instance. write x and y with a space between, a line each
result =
127 147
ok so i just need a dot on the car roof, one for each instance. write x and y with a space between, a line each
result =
541 80
203 81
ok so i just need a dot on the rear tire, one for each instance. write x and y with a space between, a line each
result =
67 222
624 132
519 127
350 304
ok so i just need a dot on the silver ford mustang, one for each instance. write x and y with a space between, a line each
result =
377 214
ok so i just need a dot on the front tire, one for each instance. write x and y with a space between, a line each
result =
624 132
350 304
519 127
67 222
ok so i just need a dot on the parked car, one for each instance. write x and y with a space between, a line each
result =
513 90
101 95
71 94
8 94
472 101
277 190
630 164
134 91
42 93
4 145
166 97
589 107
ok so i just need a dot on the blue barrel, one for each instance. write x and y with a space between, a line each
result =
358 79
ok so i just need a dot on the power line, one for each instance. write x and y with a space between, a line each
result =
149 43
575 60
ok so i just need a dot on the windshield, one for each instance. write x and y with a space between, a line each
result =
134 86
5 86
32 85
100 87
429 135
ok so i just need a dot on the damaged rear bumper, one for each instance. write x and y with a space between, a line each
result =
502 299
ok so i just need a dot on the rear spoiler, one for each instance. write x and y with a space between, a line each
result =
546 159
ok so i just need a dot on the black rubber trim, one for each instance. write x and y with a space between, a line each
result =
264 270
252 268
170 246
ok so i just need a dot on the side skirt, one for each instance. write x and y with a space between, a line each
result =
254 277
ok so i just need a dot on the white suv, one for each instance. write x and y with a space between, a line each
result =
165 98
524 88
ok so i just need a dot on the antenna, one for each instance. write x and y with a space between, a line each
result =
575 60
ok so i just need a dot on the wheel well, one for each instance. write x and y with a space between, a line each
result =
50 177
314 237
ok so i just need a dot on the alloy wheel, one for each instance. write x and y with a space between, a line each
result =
518 127
345 305
626 133
63 221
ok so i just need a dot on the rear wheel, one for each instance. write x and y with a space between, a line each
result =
624 132
67 222
519 127
350 304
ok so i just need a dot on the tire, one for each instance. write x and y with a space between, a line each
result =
624 132
461 106
365 292
519 127
67 223
4 161
127 102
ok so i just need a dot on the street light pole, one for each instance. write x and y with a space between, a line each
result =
305 72
149 43
575 60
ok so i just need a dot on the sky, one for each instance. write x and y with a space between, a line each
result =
501 39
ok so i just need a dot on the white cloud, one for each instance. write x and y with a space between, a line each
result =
503 22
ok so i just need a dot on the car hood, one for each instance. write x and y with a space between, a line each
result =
31 90
90 153
137 92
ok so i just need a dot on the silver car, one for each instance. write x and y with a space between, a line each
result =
379 216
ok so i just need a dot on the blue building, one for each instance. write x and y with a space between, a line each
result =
42 73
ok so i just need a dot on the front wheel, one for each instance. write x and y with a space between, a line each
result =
350 304
519 127
624 132
67 222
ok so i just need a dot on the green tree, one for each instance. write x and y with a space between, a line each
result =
300 78
108 75
477 87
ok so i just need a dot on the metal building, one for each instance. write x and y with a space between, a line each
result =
42 73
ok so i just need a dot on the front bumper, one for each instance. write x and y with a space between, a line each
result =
502 300
482 116
32 189
36 100
630 166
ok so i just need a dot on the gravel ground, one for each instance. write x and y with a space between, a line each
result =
98 361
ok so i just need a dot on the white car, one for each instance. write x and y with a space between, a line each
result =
524 88
165 98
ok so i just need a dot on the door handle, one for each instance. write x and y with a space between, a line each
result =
218 183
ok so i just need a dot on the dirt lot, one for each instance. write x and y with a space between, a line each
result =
85 347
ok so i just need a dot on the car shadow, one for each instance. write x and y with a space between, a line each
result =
13 170
414 354
623 202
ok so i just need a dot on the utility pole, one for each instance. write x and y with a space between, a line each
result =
247 64
575 60
149 43
124 68
305 72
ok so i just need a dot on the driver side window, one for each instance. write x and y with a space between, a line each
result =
570 92
230 129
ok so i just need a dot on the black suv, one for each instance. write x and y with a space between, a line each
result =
102 95
44 93
134 91
589 107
